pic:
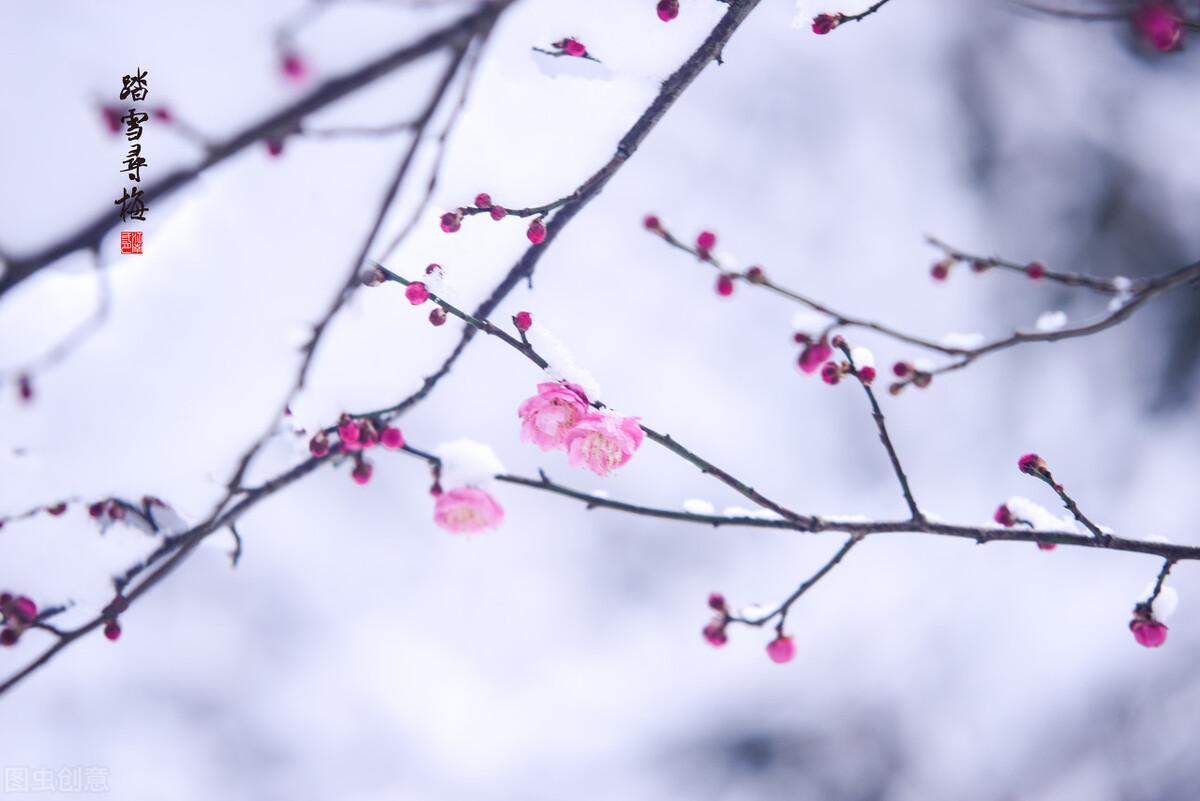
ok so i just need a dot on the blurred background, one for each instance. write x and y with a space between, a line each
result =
360 651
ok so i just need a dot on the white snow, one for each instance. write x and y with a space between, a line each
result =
466 461
1051 321
1039 516
862 357
562 363
966 341
699 507
1165 604
807 321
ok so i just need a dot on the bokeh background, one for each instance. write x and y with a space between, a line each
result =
358 651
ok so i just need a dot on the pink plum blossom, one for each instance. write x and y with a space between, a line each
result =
603 442
467 510
550 414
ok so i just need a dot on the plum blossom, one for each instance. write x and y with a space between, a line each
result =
549 415
467 510
603 442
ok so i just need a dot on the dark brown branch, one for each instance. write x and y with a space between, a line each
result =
877 414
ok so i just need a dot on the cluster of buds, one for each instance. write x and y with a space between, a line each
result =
824 23
941 268
714 632
908 373
107 510
1159 23
1149 632
706 241
668 10
17 613
833 370
451 221
355 435
780 650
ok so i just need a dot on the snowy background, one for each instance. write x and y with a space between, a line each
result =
358 651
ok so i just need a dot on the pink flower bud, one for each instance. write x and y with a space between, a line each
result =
781 649
293 66
25 387
668 10
24 609
112 630
573 47
483 200
435 269
1004 516
706 241
1148 633
824 23
755 274
57 509
1047 546
96 509
116 511
523 321
716 601
831 373
941 270
652 223
979 265
318 446
922 379
416 293
866 374
392 438
714 634
274 147
814 355
437 316
724 285
537 231
1036 270
1159 24
901 369
499 212
362 472
1033 464
452 221
348 430
9 637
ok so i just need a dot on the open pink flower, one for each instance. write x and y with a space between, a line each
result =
467 510
603 442
550 414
